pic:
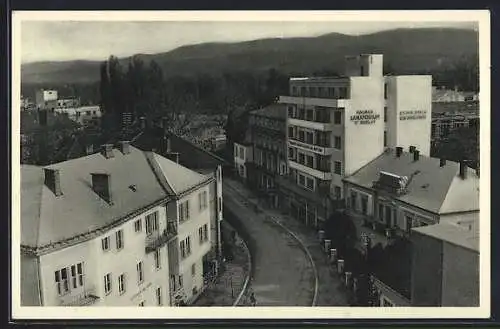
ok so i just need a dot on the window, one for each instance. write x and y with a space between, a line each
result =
121 283
385 90
107 283
203 200
181 281
184 211
309 137
140 273
119 239
152 222
381 212
290 153
385 138
138 225
364 204
302 158
354 197
338 167
310 183
61 278
242 153
200 235
362 73
79 268
302 180
157 259
301 136
309 161
159 301
338 142
337 117
105 243
337 192
185 247
309 115
193 270
205 232
236 149
294 91
290 132
74 282
220 204
142 304
385 113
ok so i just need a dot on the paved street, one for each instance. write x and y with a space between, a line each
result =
331 290
283 275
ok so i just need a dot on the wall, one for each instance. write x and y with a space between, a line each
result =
97 263
197 218
406 126
460 276
363 141
30 292
427 260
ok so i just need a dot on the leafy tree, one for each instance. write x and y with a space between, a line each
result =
461 144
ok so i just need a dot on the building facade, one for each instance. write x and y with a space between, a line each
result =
445 269
268 132
243 154
46 99
84 115
338 125
401 192
104 237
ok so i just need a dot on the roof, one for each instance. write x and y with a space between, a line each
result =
46 218
429 184
452 233
274 111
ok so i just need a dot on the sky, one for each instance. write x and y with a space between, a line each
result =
97 40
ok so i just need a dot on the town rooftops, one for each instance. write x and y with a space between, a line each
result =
431 185
452 233
274 111
129 183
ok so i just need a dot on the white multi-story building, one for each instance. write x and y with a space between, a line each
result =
117 228
338 125
83 114
46 99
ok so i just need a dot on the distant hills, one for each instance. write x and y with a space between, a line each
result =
405 51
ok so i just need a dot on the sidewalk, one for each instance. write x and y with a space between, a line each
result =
331 290
227 287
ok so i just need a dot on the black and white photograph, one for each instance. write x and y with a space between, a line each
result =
250 164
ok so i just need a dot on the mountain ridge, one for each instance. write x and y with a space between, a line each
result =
402 48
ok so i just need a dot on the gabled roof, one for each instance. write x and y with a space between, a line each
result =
429 184
138 180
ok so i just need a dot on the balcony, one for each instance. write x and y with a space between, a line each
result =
323 150
311 124
309 101
87 297
158 239
321 173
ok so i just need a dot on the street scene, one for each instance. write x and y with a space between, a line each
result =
327 164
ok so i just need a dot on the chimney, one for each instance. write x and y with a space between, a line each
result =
143 122
412 149
101 184
89 149
442 162
53 180
107 151
463 170
399 151
124 147
416 155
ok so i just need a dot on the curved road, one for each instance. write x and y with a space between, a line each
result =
283 274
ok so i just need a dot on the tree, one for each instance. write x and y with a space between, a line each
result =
461 144
342 232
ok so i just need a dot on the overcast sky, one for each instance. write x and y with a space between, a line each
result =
56 40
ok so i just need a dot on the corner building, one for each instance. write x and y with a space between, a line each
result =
338 125
116 228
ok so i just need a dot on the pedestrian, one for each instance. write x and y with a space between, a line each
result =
252 299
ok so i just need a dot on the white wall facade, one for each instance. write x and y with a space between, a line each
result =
409 106
198 217
98 263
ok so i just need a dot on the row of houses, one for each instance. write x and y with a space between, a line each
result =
360 143
124 224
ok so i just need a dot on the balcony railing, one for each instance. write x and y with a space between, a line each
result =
157 239
86 297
